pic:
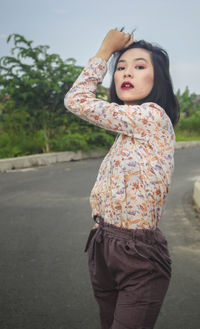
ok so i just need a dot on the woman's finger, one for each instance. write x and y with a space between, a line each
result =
130 40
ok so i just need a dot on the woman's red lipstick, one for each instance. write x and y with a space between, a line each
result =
127 85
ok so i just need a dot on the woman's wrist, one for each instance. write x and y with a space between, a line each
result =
103 54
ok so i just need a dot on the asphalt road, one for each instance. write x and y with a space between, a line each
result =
45 218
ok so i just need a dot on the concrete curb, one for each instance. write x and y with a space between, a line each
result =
183 145
196 190
37 160
50 158
196 194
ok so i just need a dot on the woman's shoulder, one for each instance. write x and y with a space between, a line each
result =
161 118
158 111
155 106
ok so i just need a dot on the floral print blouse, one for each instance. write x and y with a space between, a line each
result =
134 178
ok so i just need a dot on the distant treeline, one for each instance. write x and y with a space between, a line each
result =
32 115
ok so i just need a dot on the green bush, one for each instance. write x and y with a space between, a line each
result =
100 140
20 144
69 142
190 124
84 142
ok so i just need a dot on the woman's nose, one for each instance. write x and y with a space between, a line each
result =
128 73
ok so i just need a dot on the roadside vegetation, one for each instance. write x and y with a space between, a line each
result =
33 119
188 127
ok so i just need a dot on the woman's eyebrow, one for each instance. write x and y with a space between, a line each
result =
141 58
136 59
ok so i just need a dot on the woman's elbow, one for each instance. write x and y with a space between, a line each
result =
67 101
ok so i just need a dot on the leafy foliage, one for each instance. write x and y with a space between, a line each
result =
188 102
188 127
32 115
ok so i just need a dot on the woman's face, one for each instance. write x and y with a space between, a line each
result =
134 76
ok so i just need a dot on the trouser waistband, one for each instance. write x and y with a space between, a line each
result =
146 235
97 236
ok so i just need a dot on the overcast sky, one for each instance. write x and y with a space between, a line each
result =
76 29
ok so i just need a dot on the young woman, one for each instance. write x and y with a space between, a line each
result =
128 257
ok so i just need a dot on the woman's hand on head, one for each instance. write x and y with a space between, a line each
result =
114 41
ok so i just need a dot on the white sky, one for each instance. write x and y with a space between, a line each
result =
76 29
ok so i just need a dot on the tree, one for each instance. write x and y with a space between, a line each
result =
33 83
188 106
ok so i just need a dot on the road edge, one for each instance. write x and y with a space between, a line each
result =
38 160
50 158
196 194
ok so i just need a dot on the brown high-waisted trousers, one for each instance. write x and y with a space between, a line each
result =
130 271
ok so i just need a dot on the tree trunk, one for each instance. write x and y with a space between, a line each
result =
46 136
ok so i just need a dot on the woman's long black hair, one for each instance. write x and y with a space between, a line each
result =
162 91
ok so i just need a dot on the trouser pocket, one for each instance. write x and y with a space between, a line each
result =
156 253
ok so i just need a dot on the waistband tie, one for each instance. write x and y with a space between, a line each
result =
99 233
96 236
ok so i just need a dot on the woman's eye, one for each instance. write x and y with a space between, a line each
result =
120 68
140 67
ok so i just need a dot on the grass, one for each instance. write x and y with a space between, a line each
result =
187 136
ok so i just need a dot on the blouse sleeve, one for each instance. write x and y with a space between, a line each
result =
139 121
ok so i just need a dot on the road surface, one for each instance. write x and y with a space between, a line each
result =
44 222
